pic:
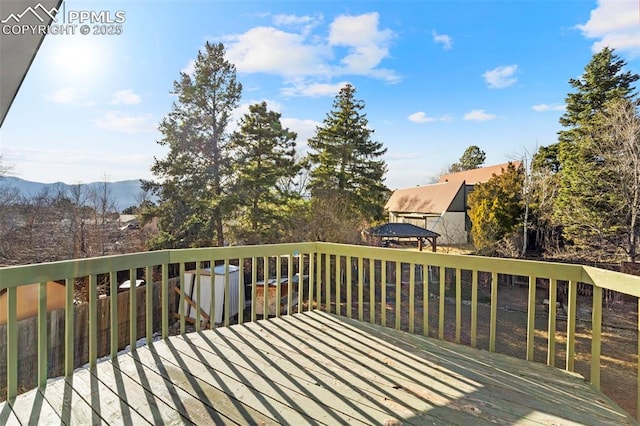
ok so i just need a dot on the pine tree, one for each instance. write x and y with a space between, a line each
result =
265 163
346 162
192 200
583 198
472 158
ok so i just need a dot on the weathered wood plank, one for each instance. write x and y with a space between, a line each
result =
152 399
7 416
104 400
314 368
254 390
281 378
496 393
189 408
365 391
226 408
433 386
30 408
539 385
72 409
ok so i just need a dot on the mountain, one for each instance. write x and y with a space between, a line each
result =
124 193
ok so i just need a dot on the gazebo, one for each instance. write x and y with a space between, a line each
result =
394 231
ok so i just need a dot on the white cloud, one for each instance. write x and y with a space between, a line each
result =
304 128
421 117
501 77
313 89
306 57
548 107
479 115
305 22
122 122
128 97
190 67
615 24
443 39
273 51
368 45
65 95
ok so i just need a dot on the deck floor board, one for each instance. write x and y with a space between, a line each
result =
313 368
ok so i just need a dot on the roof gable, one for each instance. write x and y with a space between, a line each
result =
480 175
434 198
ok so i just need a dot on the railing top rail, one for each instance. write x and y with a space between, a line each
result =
14 276
235 252
560 271
611 280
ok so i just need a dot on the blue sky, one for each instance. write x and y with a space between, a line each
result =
436 77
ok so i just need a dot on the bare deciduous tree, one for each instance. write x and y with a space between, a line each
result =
617 144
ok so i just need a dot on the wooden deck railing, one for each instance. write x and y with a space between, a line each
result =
344 279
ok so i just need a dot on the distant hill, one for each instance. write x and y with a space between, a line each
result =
124 193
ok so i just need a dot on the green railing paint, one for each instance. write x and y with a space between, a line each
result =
332 269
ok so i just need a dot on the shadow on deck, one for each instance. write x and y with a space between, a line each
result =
314 368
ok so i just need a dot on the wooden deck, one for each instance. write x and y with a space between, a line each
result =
314 368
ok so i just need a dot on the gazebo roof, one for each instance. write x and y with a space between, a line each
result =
401 230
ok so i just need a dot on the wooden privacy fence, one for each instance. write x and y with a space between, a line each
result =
28 334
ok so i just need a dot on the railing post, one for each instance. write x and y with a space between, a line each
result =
531 318
198 296
12 343
372 291
265 293
551 333
241 291
148 305
638 367
133 310
300 281
319 281
360 289
93 320
596 328
290 283
442 275
327 283
338 278
212 302
278 287
458 304
425 299
474 308
254 288
412 297
349 285
42 334
165 301
69 331
383 293
572 294
181 303
312 278
227 293
113 315
494 312
398 310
